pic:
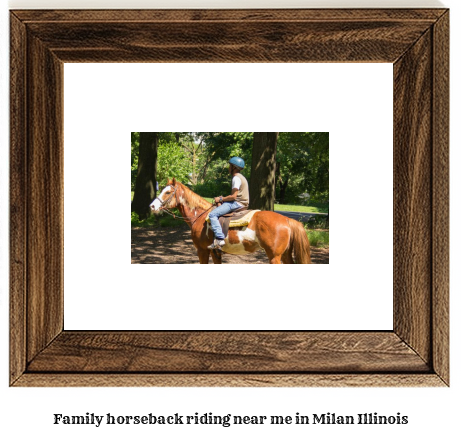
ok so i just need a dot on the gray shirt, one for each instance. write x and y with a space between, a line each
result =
241 183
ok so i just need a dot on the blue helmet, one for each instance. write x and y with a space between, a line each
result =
238 162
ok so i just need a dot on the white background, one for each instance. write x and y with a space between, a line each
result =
351 101
429 410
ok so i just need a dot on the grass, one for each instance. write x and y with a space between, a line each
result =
295 208
318 238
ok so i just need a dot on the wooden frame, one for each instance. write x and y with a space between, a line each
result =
416 352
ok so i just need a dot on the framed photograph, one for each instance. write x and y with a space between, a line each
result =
415 352
193 167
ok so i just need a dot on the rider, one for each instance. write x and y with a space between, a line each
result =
239 198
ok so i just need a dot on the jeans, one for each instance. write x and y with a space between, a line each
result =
226 207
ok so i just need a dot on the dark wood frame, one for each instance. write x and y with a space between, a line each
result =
415 352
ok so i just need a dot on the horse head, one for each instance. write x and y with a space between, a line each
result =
167 198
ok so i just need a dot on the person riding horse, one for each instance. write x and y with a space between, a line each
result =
283 239
238 198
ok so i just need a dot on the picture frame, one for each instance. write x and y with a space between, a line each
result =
414 353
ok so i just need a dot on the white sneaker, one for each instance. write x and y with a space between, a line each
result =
217 244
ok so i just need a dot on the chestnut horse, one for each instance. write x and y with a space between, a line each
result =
280 237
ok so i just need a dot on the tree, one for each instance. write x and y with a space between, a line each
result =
218 148
172 161
263 166
134 158
302 165
193 145
145 187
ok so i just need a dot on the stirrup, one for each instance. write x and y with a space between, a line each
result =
217 244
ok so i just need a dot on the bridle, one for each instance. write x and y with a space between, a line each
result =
163 205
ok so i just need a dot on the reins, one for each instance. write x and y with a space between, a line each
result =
192 221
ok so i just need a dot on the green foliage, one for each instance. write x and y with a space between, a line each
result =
136 222
134 157
318 238
318 222
200 159
213 188
193 146
173 161
220 147
303 165
160 220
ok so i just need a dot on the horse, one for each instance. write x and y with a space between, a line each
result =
280 237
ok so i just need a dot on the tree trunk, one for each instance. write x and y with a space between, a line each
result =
263 165
146 189
283 190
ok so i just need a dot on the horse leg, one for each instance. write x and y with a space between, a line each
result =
276 248
203 255
216 255
275 259
287 257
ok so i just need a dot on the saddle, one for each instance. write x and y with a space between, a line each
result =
237 218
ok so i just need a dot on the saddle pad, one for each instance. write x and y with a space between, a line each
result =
242 222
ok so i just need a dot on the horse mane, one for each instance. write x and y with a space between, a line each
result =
193 200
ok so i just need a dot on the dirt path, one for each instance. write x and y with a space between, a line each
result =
174 245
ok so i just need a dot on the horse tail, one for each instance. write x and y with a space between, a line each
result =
299 242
